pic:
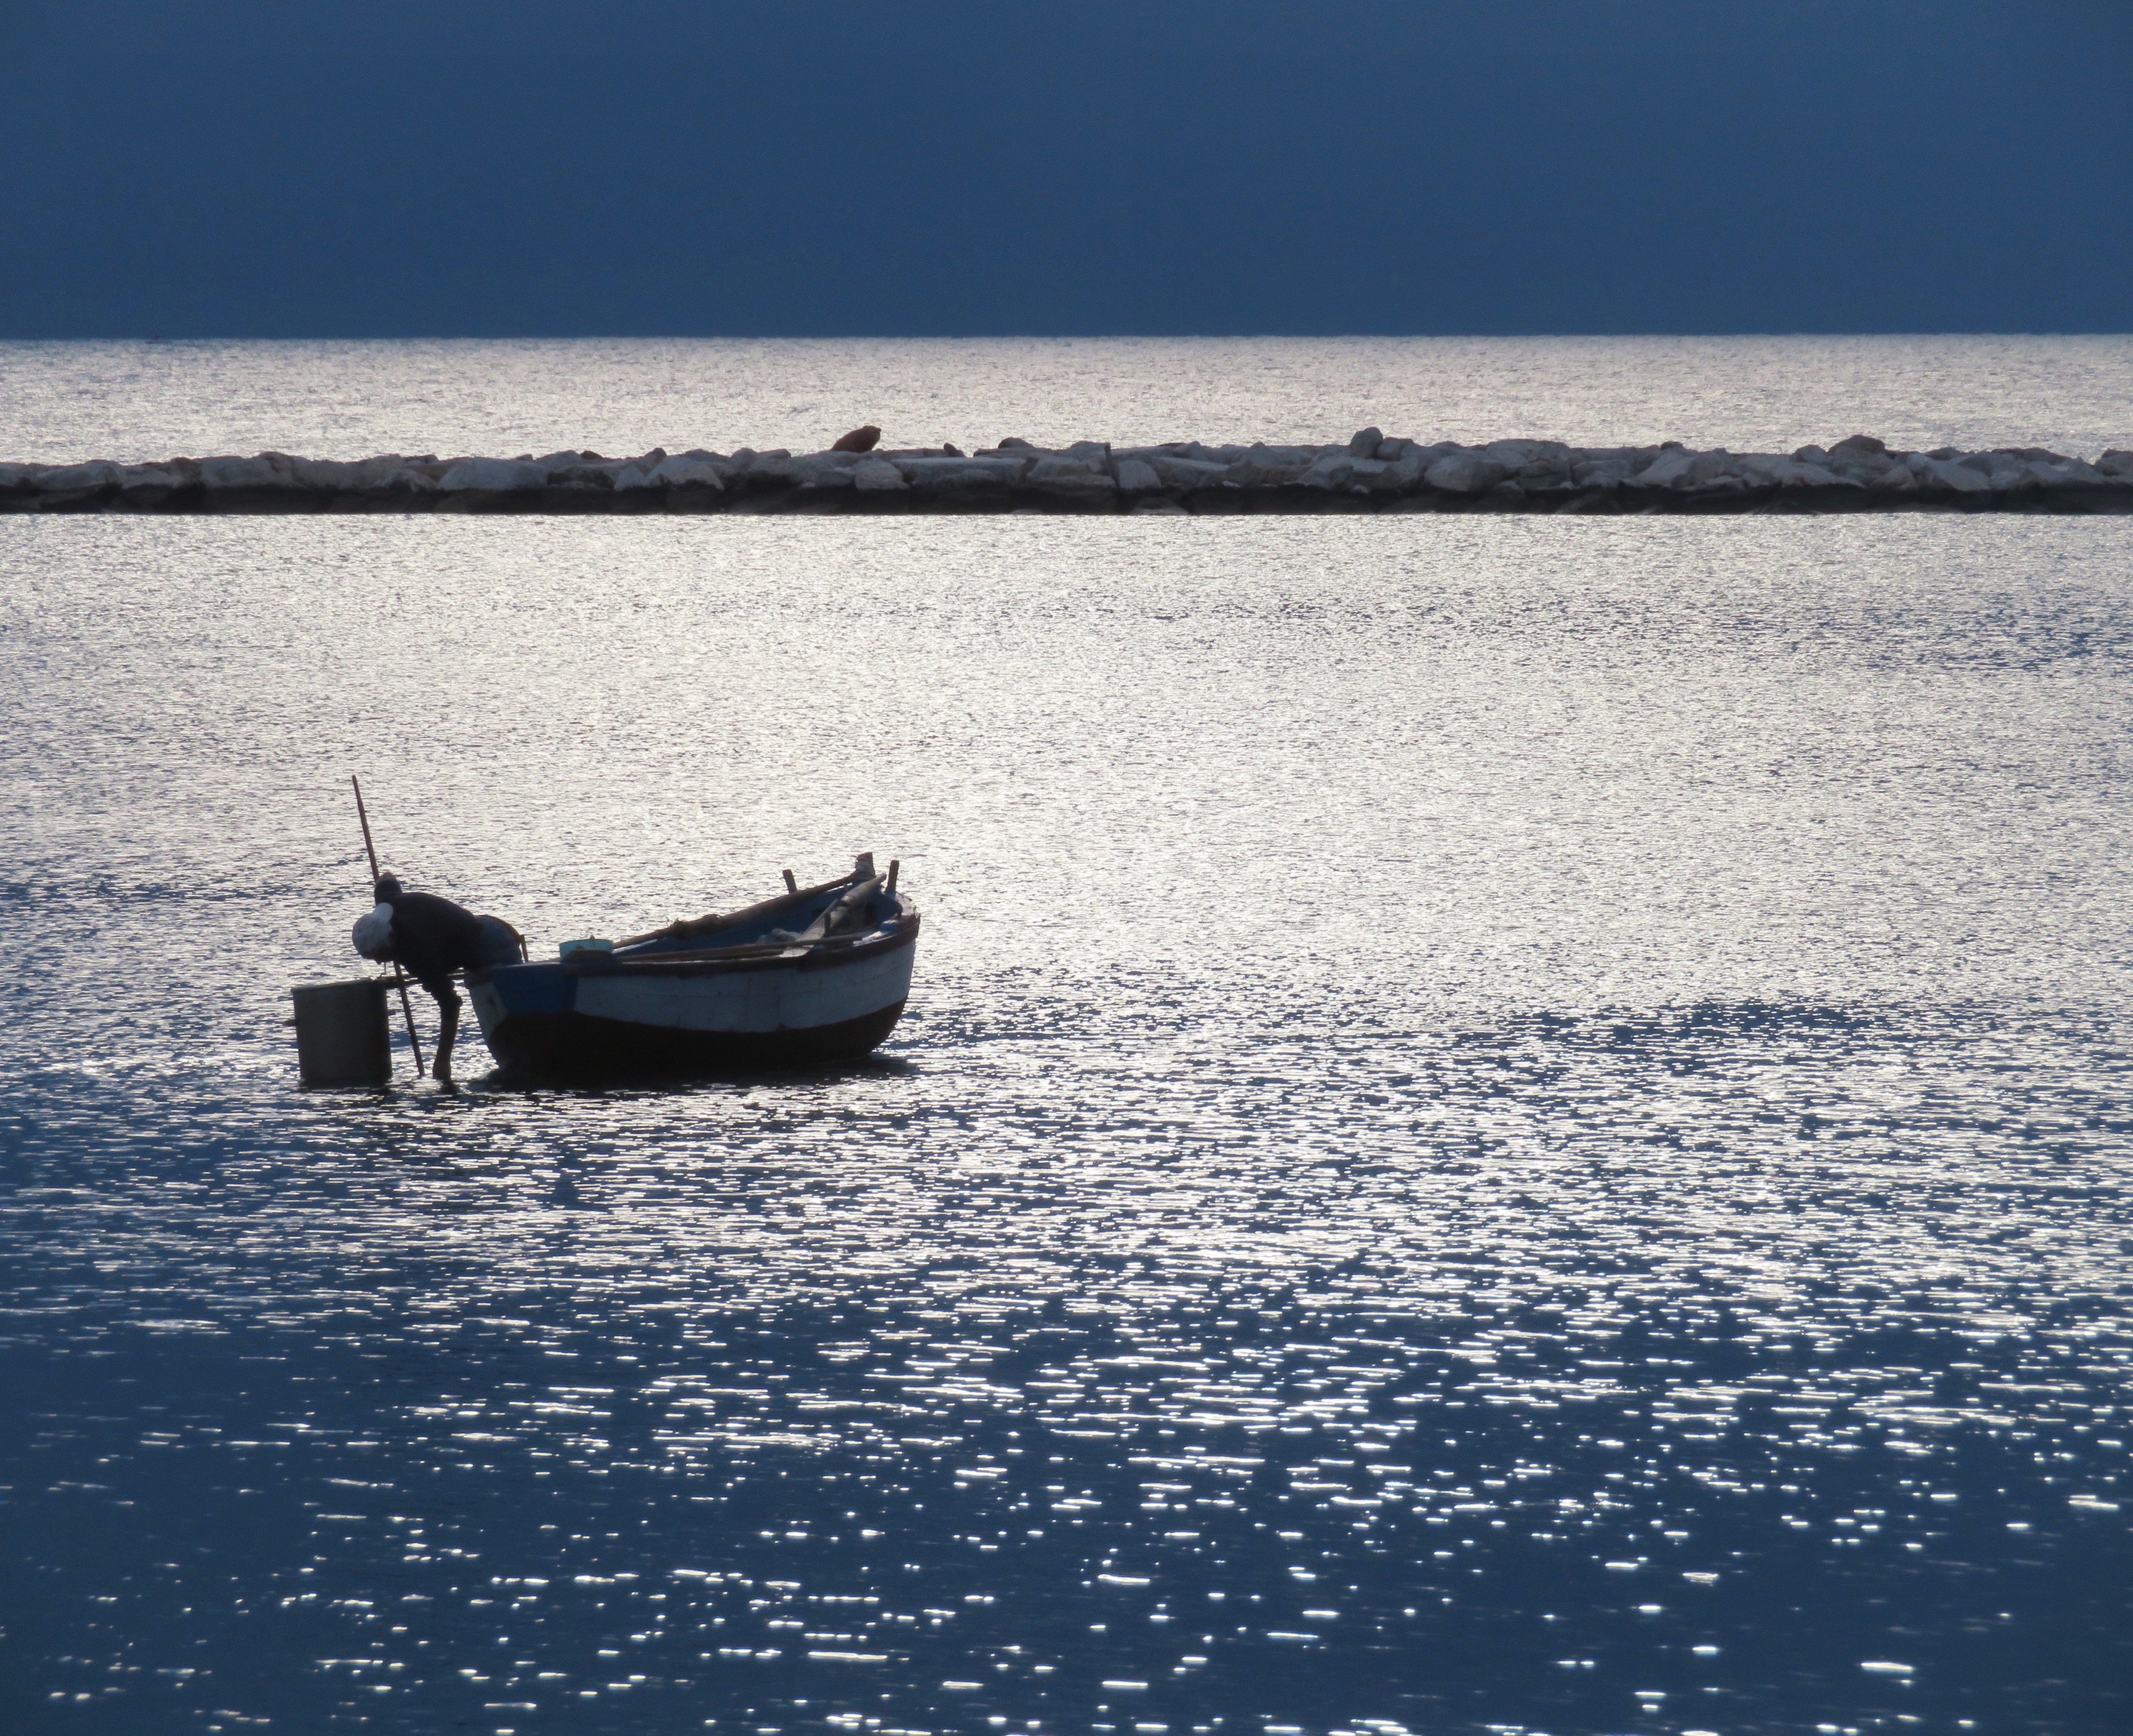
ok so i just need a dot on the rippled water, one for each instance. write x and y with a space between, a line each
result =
1505 1125
135 401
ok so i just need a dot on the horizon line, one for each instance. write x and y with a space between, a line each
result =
1256 337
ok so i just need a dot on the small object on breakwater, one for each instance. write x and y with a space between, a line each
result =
860 440
1369 473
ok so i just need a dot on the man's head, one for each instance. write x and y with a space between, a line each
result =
388 888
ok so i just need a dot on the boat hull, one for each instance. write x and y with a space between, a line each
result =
597 1019
571 1047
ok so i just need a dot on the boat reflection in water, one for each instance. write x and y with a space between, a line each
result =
818 974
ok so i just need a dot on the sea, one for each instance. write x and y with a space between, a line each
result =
1510 1125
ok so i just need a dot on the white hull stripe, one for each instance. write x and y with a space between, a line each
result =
756 1001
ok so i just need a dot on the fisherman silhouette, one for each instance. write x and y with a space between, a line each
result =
430 938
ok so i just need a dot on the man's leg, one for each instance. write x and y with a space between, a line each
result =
448 1025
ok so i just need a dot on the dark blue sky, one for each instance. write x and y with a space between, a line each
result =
1168 166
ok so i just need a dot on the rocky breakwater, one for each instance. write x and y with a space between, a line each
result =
1370 473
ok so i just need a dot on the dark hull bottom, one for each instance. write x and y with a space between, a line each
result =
568 1046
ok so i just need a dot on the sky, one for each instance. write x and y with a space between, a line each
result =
948 167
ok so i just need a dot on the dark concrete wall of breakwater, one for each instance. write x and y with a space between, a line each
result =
1370 473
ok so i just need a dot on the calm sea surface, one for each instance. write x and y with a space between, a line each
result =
1507 1124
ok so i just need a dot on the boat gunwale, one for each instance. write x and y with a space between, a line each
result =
690 926
829 953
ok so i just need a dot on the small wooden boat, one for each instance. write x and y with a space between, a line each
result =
818 974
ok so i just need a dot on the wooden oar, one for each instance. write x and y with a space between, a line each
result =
399 976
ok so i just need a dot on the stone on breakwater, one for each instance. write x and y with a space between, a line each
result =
74 479
492 476
241 473
1670 466
1072 479
1184 473
877 476
1465 473
690 469
1370 472
959 473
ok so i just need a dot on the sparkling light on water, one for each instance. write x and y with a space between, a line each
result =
1505 1125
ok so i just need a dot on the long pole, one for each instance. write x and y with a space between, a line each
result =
407 1007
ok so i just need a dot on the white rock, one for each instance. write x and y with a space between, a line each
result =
1064 475
1270 467
68 479
240 473
776 467
961 473
1766 470
1545 472
1186 473
600 475
149 476
1517 455
822 469
1669 470
494 476
688 469
1381 476
877 476
1947 474
2061 473
1465 473
2002 470
1136 476
326 473
373 473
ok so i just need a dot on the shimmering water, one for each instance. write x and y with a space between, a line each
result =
135 401
1506 1124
